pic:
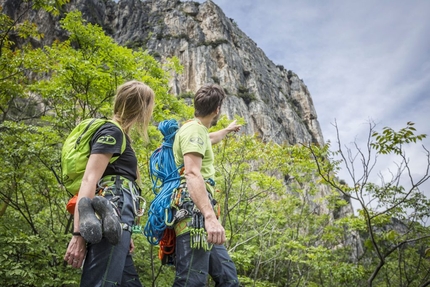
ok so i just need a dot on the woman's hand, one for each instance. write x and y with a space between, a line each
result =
76 251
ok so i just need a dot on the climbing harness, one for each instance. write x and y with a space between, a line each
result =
194 223
113 184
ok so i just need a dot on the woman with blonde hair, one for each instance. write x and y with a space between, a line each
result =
102 244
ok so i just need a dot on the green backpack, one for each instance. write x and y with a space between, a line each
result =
76 151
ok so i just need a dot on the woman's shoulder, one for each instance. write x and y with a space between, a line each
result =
110 125
109 129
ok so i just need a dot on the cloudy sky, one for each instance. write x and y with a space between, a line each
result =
361 60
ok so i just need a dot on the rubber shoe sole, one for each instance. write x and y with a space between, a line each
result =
111 226
90 226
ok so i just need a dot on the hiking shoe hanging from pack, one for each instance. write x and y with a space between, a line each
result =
90 226
111 226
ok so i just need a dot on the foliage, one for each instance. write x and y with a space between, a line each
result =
393 212
244 94
27 262
276 234
87 68
390 141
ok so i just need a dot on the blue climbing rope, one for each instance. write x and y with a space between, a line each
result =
165 178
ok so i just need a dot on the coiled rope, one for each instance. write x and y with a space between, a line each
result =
165 178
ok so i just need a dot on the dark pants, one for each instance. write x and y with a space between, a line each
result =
194 265
112 265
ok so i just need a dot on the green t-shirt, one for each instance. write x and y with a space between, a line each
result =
194 137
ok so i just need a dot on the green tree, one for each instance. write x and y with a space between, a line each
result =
18 60
393 211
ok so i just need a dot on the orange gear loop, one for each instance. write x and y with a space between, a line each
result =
167 243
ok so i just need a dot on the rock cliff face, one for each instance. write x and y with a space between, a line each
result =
274 101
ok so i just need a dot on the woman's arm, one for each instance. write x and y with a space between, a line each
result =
96 166
94 170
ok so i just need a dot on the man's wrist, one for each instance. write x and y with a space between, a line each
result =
210 216
76 233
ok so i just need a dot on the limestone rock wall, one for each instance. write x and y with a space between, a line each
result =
274 101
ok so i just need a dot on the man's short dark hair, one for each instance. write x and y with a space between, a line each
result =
207 99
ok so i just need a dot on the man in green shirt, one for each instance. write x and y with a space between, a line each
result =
192 148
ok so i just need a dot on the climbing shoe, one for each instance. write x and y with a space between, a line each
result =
111 226
90 226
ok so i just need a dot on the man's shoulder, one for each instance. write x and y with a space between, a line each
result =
191 126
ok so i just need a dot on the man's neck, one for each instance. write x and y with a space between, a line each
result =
206 121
